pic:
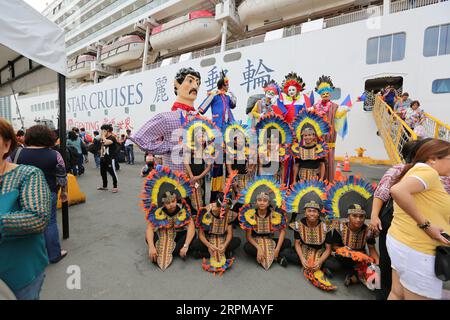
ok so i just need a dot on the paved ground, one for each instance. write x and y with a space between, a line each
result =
107 243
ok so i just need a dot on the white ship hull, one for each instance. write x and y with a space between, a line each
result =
340 52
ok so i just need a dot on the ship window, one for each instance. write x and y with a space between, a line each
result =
208 62
74 115
106 112
152 108
232 57
127 110
89 113
441 86
336 94
57 103
386 48
32 108
437 41
47 105
52 104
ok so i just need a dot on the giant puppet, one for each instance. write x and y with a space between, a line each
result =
221 102
155 136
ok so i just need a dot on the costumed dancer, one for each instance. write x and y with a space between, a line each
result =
262 216
215 233
310 151
221 102
155 136
313 236
268 104
291 98
199 134
170 228
237 149
325 107
274 138
349 202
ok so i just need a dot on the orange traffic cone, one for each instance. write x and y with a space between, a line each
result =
346 164
338 174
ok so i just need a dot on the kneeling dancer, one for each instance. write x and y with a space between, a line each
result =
170 228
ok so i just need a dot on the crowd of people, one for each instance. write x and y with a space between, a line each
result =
205 177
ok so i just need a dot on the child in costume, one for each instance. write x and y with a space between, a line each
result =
262 216
149 165
198 156
170 229
313 236
310 151
347 201
331 112
274 138
215 233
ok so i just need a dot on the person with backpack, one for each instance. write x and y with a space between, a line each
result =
95 147
75 142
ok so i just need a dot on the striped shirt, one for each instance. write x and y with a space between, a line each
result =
34 202
159 136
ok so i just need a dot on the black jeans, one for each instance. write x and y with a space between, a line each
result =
107 165
198 246
251 250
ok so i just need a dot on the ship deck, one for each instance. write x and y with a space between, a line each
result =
107 243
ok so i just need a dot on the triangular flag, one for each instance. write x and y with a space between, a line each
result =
347 102
362 97
311 98
307 101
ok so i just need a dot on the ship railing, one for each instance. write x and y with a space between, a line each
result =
435 128
404 5
392 129
365 14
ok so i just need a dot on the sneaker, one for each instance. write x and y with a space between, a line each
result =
283 262
114 190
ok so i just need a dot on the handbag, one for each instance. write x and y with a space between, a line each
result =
442 263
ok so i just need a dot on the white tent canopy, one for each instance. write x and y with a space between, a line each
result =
32 48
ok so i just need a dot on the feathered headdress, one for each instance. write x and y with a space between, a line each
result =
272 122
310 119
272 86
324 84
344 195
199 125
263 187
303 193
161 185
292 79
233 130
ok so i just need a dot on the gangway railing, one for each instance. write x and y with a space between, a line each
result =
435 128
392 129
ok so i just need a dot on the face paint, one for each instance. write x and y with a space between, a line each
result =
292 91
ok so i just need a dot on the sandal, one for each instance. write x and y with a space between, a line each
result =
114 190
102 188
62 256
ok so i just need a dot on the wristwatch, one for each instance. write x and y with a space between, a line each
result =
424 225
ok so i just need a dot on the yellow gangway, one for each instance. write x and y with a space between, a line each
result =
74 193
395 132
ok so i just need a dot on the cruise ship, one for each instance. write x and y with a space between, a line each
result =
122 56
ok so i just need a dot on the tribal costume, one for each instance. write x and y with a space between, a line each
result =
347 198
163 186
221 102
215 227
262 227
274 129
329 110
309 156
313 240
199 135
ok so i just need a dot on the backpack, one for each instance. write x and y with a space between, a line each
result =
72 155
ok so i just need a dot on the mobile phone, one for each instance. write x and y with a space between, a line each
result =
445 235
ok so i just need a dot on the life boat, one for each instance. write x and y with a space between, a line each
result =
80 67
122 50
194 29
256 13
